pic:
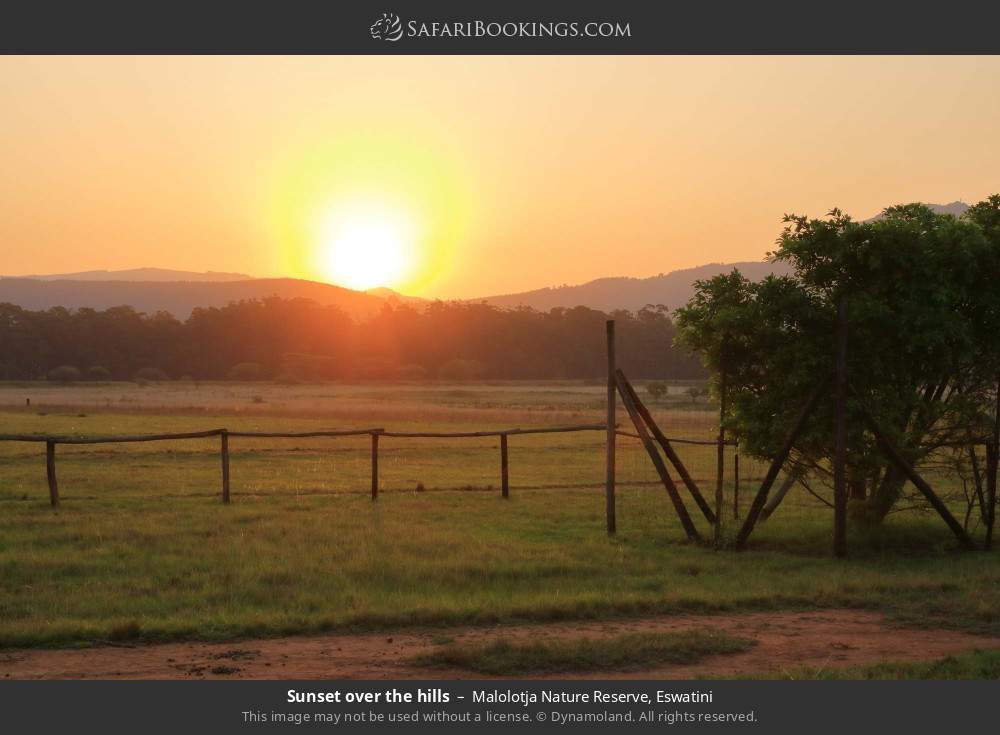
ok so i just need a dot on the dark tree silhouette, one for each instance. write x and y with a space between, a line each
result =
302 340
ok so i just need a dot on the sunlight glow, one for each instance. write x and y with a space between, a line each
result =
370 208
366 247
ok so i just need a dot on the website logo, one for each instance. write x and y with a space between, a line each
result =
387 28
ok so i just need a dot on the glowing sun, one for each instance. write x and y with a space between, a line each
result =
362 249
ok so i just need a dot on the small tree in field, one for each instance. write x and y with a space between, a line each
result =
924 338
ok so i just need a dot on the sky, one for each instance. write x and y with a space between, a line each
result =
458 177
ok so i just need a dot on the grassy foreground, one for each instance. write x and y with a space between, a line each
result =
142 549
623 653
188 567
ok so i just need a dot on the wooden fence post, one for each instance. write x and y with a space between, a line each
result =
374 465
840 436
720 470
991 478
988 502
609 482
504 474
720 452
50 471
736 481
224 447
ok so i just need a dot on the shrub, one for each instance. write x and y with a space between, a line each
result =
149 374
64 374
98 374
657 389
459 369
246 371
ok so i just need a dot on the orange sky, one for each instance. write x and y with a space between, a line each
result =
509 173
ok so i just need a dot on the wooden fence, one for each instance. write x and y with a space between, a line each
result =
51 441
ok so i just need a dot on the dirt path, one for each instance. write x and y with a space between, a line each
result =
827 638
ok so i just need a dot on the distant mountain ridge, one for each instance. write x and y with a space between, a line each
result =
142 274
607 294
955 208
178 297
179 292
395 296
670 289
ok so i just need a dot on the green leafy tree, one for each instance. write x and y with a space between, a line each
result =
924 338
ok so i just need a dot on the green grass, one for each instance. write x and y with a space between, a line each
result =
626 652
187 567
141 547
973 665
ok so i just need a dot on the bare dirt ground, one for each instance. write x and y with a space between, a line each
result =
828 638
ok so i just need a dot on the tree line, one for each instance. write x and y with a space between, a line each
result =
300 340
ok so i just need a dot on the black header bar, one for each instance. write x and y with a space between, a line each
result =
450 27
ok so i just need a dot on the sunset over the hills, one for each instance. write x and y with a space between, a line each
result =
447 177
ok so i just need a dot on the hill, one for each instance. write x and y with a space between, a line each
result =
179 292
395 296
180 297
956 209
670 289
607 294
143 274
177 297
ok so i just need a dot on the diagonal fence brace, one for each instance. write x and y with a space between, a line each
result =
668 450
654 455
886 445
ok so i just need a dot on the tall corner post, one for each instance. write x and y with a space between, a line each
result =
609 486
736 481
840 436
720 457
993 460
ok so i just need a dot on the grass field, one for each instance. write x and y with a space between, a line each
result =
142 549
